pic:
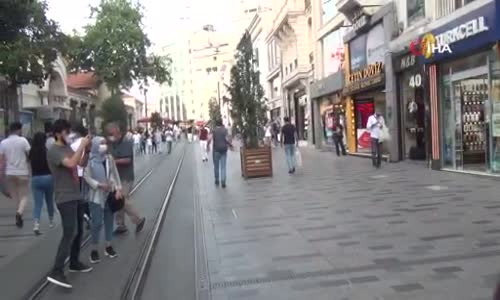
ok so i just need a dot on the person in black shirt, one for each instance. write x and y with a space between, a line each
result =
338 137
42 183
289 141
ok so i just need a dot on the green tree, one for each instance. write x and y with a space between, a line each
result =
248 109
113 110
29 44
116 47
156 120
214 110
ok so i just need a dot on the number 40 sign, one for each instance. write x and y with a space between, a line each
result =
415 81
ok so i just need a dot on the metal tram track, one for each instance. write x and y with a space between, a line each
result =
136 280
37 292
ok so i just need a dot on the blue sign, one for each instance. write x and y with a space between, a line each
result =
469 32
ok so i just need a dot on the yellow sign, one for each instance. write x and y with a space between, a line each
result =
370 71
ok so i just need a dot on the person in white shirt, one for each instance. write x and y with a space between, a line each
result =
80 132
14 162
137 143
169 136
374 124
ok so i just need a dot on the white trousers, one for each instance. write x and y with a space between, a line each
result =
203 146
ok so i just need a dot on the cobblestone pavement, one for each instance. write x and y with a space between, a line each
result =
339 229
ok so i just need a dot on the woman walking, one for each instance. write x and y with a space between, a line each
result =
102 177
42 182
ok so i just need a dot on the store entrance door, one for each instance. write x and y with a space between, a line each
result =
469 93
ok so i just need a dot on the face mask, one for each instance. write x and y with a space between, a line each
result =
67 139
111 138
103 149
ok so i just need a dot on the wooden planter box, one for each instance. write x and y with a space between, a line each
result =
256 162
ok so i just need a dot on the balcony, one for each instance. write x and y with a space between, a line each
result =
295 77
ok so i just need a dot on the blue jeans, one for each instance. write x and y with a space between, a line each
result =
220 159
43 187
98 214
290 156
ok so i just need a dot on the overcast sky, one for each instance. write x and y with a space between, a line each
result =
164 20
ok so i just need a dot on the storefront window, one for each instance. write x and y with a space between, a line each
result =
413 115
333 52
464 100
495 111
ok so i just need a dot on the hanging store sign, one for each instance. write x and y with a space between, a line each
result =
360 21
471 31
365 79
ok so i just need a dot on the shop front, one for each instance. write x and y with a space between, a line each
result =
364 86
465 93
413 105
329 106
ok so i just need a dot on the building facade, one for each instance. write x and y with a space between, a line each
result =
290 51
328 105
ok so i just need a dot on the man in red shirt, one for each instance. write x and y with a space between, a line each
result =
203 143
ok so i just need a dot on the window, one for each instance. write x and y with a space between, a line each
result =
296 63
333 52
256 57
445 7
329 9
415 10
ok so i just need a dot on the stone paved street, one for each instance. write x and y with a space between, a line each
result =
339 229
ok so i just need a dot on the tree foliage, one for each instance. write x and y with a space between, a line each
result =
248 109
113 110
29 41
116 48
214 110
156 120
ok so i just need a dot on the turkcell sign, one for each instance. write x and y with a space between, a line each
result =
462 31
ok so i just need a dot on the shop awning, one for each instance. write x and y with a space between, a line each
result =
328 85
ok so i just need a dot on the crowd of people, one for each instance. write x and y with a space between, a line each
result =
86 177
159 140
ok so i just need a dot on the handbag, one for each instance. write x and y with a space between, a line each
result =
298 158
113 203
384 134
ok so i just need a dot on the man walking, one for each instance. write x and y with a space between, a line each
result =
80 132
204 143
190 133
289 141
338 137
123 152
62 161
14 160
169 136
374 124
221 143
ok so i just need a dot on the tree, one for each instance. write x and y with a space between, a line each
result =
156 120
248 109
29 44
113 110
116 48
214 110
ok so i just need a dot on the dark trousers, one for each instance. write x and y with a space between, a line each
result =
339 144
169 147
84 191
72 224
376 153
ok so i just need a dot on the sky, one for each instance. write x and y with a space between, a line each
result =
164 20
